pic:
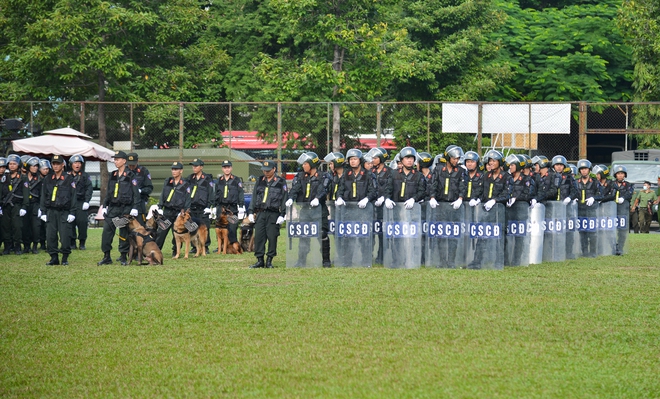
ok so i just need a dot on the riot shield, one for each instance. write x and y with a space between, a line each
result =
332 225
353 235
536 233
554 232
445 237
485 237
622 226
425 227
303 236
572 234
516 245
378 235
588 230
607 218
402 233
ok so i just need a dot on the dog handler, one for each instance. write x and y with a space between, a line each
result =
230 195
174 197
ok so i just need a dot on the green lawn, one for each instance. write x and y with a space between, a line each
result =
212 327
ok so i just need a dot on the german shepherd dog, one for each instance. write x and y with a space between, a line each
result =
142 245
247 234
222 234
182 234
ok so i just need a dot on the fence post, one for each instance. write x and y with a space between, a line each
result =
480 112
428 127
82 117
31 119
230 131
279 137
582 111
378 124
328 142
130 129
181 132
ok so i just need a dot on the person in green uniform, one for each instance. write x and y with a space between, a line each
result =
122 198
268 198
643 203
634 213
57 206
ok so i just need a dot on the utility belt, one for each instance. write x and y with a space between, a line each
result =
120 203
268 209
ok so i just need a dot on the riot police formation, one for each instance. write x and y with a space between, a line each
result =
268 204
57 207
174 198
229 195
310 187
144 184
202 196
15 202
84 191
123 198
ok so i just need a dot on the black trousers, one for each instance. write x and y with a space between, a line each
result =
12 226
109 229
57 225
266 229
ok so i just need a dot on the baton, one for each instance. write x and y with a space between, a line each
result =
289 222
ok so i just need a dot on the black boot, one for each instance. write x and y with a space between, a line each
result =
122 259
43 246
65 260
82 245
260 263
34 248
53 261
18 251
106 259
269 262
73 245
325 252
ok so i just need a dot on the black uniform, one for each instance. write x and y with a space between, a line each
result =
623 190
145 188
15 197
586 190
562 186
202 196
304 189
404 187
230 195
521 188
84 190
384 183
446 186
122 196
474 186
32 223
268 198
174 198
58 201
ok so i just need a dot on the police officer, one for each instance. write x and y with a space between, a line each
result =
589 194
229 194
44 170
32 222
521 185
174 197
84 190
57 205
268 201
602 173
562 184
202 195
311 187
122 198
335 162
408 186
3 182
623 191
16 199
378 157
145 185
541 177
356 185
474 179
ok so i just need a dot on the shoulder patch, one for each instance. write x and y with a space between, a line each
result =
240 184
26 184
188 190
73 184
134 181
149 176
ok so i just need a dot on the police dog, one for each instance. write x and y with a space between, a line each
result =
247 235
142 244
182 234
222 234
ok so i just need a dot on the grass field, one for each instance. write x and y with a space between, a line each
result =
214 328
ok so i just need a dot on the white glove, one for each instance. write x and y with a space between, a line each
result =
134 212
488 205
475 202
620 201
532 203
104 212
457 204
314 203
575 200
38 213
363 203
44 218
140 190
433 203
1 211
241 212
567 200
590 201
70 219
409 203
379 201
280 220
207 211
288 202
85 206
160 211
213 213
22 212
510 202
339 202
389 204
251 218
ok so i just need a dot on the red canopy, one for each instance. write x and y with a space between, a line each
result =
249 140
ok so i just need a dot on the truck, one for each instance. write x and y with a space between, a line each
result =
642 165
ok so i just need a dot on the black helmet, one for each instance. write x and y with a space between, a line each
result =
542 161
378 152
620 168
408 152
494 154
537 158
583 163
513 159
425 160
24 159
602 169
528 161
3 162
454 152
32 161
559 159
44 163
14 158
76 158
353 152
337 159
311 158
574 169
472 156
